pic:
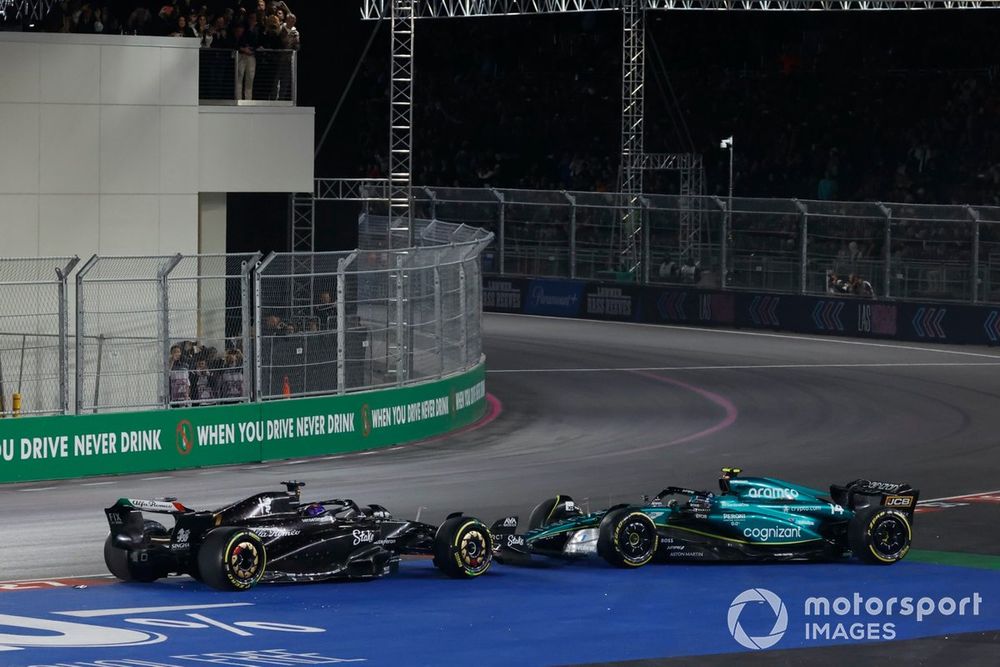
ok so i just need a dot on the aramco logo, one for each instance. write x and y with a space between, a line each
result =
757 596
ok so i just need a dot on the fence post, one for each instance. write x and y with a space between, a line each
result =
887 250
237 88
400 325
803 246
646 254
61 274
342 321
80 363
723 243
501 229
438 315
462 305
572 233
295 77
247 271
974 215
164 284
258 320
432 196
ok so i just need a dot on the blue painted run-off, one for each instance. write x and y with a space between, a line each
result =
532 616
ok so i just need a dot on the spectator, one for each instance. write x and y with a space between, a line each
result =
184 29
231 376
180 380
246 62
202 382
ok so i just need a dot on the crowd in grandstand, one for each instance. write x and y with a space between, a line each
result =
199 374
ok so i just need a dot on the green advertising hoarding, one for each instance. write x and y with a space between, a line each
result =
41 448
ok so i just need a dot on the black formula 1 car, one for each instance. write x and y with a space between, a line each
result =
750 518
275 537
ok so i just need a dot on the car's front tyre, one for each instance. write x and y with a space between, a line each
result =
463 547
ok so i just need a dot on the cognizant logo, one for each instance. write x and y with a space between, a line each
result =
766 534
757 596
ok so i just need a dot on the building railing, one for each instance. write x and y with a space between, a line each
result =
905 251
193 330
266 77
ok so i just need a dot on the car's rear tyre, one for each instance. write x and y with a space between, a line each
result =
463 548
627 538
140 568
231 559
879 536
549 511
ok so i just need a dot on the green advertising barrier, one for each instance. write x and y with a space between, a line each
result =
42 448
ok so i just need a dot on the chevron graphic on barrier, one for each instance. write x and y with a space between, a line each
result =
764 311
671 305
927 322
826 315
992 326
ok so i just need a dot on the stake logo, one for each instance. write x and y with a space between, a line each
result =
758 596
185 437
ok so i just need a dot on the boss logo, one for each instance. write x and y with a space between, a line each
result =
898 501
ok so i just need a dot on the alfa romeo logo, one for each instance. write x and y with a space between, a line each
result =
757 596
185 437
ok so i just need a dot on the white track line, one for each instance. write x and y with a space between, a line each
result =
739 332
745 367
37 488
96 483
150 479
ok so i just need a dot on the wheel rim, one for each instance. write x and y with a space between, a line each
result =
473 552
635 539
244 561
889 537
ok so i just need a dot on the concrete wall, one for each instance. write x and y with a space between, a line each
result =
104 147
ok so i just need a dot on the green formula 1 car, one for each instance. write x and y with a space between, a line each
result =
750 519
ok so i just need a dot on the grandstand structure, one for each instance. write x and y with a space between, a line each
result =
631 235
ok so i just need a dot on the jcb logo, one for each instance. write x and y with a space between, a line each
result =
898 501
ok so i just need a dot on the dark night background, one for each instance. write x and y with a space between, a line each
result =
875 106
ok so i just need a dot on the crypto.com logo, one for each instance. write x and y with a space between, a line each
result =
757 595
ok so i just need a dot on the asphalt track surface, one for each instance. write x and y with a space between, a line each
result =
606 412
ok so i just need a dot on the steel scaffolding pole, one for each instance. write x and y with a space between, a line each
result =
401 126
633 78
302 242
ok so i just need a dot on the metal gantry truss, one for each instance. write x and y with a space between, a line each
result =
404 13
401 124
302 242
633 99
31 10
379 9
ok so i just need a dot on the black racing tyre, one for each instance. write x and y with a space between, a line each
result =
463 548
879 536
627 538
154 529
117 560
231 559
548 511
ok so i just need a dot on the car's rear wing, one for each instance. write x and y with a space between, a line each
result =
865 493
126 521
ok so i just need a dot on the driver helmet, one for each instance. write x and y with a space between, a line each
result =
314 509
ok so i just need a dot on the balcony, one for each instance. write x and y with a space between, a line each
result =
266 78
